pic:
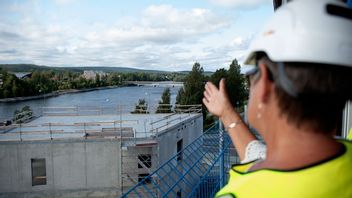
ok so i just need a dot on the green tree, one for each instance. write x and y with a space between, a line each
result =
235 85
104 80
82 83
141 107
97 80
193 87
43 82
164 104
114 79
15 89
218 75
9 80
23 115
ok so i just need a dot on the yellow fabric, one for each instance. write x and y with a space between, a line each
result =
332 178
350 134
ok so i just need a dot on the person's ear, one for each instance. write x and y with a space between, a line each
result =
266 86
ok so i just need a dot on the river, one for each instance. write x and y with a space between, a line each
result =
108 99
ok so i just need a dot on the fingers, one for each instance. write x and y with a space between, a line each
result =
206 103
207 94
222 85
210 87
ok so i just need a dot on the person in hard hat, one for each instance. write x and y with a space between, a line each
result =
299 84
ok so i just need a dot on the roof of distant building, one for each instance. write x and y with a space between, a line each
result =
93 126
22 75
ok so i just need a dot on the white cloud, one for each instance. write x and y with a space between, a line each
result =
238 41
163 37
241 3
241 43
161 24
196 19
164 23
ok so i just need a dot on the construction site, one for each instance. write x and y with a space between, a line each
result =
92 152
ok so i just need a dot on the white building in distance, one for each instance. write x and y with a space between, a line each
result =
90 74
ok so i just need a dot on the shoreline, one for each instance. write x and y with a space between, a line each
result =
54 94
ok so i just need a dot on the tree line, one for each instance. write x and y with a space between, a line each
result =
43 82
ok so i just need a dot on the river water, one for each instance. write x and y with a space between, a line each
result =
108 99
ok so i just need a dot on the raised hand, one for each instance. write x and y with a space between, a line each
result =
216 100
218 103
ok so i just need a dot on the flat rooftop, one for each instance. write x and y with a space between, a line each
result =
125 125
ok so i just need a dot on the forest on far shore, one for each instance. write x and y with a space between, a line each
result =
46 81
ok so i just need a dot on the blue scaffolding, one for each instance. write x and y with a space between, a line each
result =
199 170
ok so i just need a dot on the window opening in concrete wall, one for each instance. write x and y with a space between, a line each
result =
179 193
179 148
142 176
146 159
38 172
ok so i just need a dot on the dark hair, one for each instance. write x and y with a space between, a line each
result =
323 91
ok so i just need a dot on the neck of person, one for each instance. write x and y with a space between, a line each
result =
291 147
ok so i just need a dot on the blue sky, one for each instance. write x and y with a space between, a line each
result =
146 34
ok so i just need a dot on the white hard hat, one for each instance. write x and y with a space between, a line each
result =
313 31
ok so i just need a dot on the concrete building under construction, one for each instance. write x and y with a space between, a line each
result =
73 152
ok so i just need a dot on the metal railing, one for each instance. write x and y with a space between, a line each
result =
73 122
199 170
56 130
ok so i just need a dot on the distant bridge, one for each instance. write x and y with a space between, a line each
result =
155 84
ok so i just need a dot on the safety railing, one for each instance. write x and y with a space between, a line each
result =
199 170
75 122
56 130
119 109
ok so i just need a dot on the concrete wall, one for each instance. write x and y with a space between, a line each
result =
188 130
75 168
85 168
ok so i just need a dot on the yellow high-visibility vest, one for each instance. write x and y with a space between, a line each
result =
350 134
329 178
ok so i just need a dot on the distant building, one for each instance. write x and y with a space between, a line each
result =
66 153
23 75
90 74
